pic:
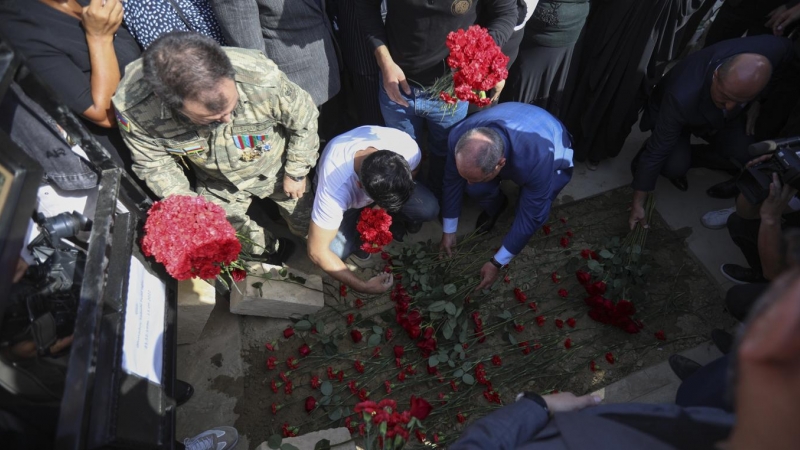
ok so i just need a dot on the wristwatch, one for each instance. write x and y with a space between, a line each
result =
293 178
536 398
495 263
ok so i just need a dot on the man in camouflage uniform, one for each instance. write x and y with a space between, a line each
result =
231 116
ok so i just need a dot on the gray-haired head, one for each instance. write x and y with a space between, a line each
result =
182 66
480 148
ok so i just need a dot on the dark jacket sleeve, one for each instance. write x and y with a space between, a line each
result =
501 18
453 184
666 134
533 209
240 23
508 428
368 13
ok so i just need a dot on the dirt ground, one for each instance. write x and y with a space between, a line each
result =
676 297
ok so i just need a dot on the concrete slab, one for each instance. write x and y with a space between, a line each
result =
278 295
196 300
338 437
213 365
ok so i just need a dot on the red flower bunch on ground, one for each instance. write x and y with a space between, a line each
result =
190 236
477 64
373 226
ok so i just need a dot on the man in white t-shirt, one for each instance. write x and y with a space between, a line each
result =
369 166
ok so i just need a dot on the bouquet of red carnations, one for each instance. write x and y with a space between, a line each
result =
191 237
373 226
477 66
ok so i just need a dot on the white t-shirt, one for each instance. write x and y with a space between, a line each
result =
337 181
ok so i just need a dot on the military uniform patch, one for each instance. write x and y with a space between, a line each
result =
193 149
122 122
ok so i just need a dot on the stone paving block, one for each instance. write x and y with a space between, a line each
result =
196 299
276 298
309 440
664 394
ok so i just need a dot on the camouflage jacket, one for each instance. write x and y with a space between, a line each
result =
274 126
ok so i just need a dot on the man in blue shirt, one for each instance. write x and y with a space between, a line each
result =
512 141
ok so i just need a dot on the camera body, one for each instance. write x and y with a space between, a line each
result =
785 161
45 301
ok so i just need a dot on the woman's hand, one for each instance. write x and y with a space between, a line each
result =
102 18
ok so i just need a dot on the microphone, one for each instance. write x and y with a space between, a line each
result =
764 147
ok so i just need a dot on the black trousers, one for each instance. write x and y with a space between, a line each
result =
736 18
744 233
740 299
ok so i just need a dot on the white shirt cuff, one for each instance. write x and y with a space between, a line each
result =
503 256
450 225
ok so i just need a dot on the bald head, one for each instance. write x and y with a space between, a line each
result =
740 79
479 154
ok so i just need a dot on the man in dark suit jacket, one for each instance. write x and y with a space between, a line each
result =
704 95
296 35
766 387
511 141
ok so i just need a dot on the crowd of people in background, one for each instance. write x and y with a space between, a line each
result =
324 107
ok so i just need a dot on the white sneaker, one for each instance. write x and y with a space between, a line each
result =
220 438
717 220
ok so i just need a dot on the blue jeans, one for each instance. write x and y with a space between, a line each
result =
421 207
488 196
423 109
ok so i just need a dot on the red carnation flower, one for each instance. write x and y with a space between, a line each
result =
359 303
304 350
363 394
311 403
596 288
401 376
506 279
532 305
660 335
520 296
291 363
399 351
559 323
583 277
564 242
460 417
274 386
420 408
315 383
350 319
496 360
519 327
569 233
276 407
359 366
289 332
356 336
546 229
540 320
271 362
388 386
571 322
238 275
287 389
191 236
592 366
610 358
270 346
563 220
568 343
563 293
555 277
343 290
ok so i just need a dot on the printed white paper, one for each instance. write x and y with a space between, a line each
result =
142 346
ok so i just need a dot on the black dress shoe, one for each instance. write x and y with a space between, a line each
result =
726 189
741 275
681 183
683 366
183 392
484 224
285 250
722 340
